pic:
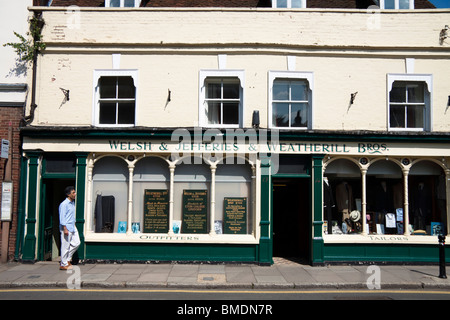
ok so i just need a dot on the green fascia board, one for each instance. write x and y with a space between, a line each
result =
159 133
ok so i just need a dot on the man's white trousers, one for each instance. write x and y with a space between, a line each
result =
69 244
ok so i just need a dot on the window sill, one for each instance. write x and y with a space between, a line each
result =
380 239
114 125
175 238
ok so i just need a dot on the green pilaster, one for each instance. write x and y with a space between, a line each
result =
81 197
29 248
21 206
265 242
317 208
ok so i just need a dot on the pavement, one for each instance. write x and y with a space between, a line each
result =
283 274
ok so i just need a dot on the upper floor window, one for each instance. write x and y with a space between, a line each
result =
122 3
115 98
395 4
409 103
288 3
291 103
221 98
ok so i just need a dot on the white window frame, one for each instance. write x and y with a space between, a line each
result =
96 94
291 75
424 78
397 5
289 4
137 3
202 105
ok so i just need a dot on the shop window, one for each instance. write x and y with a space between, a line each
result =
427 199
384 190
151 183
290 102
115 95
289 4
186 209
409 103
342 198
192 197
233 200
221 98
110 195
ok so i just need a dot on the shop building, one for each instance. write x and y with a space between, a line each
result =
13 95
240 134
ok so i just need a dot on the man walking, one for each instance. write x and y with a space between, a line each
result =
70 241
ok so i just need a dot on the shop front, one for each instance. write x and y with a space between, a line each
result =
193 197
144 198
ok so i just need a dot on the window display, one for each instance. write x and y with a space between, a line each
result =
155 195
427 190
110 189
386 203
342 190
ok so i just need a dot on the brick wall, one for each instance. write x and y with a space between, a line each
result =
13 115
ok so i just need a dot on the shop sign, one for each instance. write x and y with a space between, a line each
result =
235 215
4 149
249 141
7 190
388 238
195 207
283 147
156 211
166 237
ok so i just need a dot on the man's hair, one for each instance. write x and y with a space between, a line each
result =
69 189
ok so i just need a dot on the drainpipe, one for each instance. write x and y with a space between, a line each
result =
28 119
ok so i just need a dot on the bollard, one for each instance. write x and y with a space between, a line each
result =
442 257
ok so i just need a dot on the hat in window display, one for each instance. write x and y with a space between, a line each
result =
355 215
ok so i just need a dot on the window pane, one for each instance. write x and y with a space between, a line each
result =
126 87
296 3
107 87
299 91
398 93
415 92
389 4
213 91
114 3
280 114
231 91
64 164
397 116
415 116
213 112
281 3
231 113
280 90
299 115
128 3
126 113
404 4
107 113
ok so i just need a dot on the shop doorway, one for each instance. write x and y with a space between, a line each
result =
291 222
52 194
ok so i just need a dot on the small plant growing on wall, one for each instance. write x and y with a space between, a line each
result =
30 46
